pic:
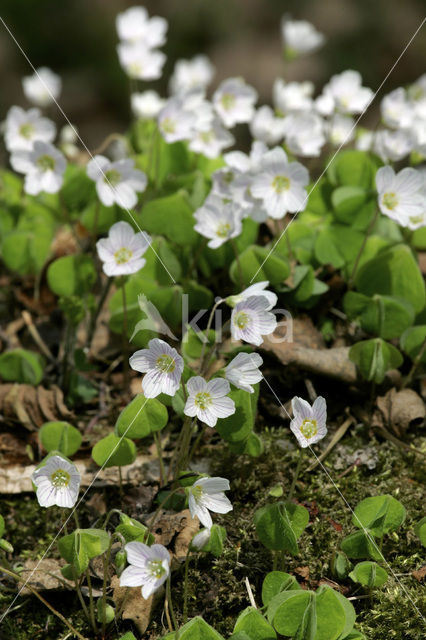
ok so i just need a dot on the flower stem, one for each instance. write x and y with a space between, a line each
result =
237 258
170 604
80 595
209 324
361 250
157 441
125 338
96 312
296 475
91 604
415 364
185 441
185 589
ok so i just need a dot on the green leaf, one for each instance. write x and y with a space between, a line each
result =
375 357
393 272
60 436
112 451
308 625
171 217
361 545
369 574
384 316
77 189
271 266
20 365
195 629
353 168
335 614
141 417
347 201
275 582
192 343
71 275
338 245
132 530
26 251
279 525
412 340
238 426
216 542
254 625
128 636
285 611
2 526
106 615
379 514
340 565
82 545
420 530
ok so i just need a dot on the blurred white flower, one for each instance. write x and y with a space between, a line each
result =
218 221
43 166
251 319
174 122
43 87
121 252
200 539
266 126
208 401
400 195
300 37
347 93
207 494
243 162
139 62
243 371
309 423
23 128
363 139
196 73
393 145
149 567
162 366
280 184
292 96
340 129
256 289
57 482
234 101
135 26
116 182
146 105
213 141
304 133
397 111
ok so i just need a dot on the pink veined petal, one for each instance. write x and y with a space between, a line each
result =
96 167
121 234
105 250
384 178
140 361
105 193
137 554
319 411
204 516
208 416
125 196
218 387
224 407
132 577
301 409
190 408
295 428
213 485
152 384
195 385
217 503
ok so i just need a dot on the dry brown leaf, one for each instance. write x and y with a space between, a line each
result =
420 574
44 575
32 406
179 527
398 410
135 608
303 572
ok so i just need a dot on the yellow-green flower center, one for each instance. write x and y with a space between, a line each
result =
168 125
60 478
416 219
112 177
123 255
45 163
223 230
197 492
280 184
203 399
228 101
390 200
166 363
207 136
26 130
156 569
309 428
241 319
134 69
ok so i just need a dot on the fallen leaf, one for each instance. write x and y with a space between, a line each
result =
420 574
398 410
32 406
45 575
303 572
135 607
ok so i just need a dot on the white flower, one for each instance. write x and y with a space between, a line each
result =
121 253
250 320
174 122
397 111
393 145
265 126
139 62
244 163
23 128
200 539
146 105
43 166
208 400
347 92
243 371
292 96
162 366
399 195
363 139
256 289
43 87
196 73
207 494
212 142
218 221
116 182
57 482
308 424
234 101
300 37
134 25
280 184
304 133
340 129
149 567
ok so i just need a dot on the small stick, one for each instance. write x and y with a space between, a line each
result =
36 336
250 592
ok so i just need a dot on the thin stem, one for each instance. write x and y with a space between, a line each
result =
125 339
296 475
59 615
91 604
209 324
186 434
80 595
160 506
415 364
185 588
106 560
362 247
123 603
170 603
196 443
95 225
158 446
120 481
108 516
237 258
96 312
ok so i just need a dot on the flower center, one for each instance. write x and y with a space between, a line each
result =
202 400
45 163
26 130
123 255
134 69
112 177
309 428
165 363
156 569
228 101
416 219
242 319
207 136
197 492
223 230
60 478
168 125
281 183
390 200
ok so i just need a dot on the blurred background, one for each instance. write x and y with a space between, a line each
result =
77 39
